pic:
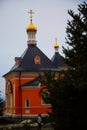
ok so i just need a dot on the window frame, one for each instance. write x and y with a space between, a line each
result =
27 103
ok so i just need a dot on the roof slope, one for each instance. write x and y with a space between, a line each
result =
34 82
27 60
58 60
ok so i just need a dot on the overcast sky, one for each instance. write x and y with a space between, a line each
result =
50 17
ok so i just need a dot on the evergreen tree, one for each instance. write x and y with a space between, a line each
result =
68 95
76 54
76 57
1 106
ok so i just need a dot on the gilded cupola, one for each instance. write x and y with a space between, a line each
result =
56 45
31 26
31 31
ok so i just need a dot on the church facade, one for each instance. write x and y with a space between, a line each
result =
22 84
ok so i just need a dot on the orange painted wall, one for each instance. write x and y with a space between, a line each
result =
20 95
36 105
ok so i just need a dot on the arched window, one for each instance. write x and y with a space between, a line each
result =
37 59
27 103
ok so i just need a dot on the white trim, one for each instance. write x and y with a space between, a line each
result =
14 93
31 87
22 78
25 115
27 111
39 106
43 106
33 115
10 100
26 103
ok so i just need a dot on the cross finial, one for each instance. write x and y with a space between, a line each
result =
31 12
55 40
56 46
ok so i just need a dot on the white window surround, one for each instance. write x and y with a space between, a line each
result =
27 103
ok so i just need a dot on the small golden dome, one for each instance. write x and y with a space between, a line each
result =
56 45
31 27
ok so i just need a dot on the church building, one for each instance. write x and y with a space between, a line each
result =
22 84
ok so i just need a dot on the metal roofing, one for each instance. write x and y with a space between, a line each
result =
58 60
34 82
27 60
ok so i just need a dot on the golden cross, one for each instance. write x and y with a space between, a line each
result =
31 12
56 40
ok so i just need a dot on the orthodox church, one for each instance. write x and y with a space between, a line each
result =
22 84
